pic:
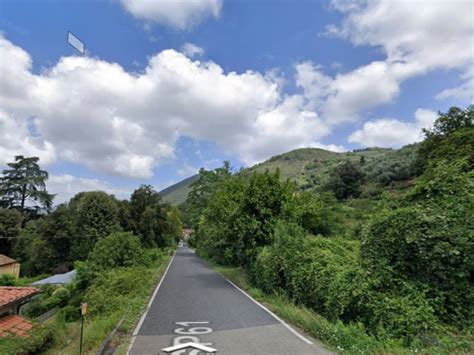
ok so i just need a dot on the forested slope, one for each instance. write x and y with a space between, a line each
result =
380 245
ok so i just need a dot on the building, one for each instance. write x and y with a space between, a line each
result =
58 279
11 299
9 266
187 234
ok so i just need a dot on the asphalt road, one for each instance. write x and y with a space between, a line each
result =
196 304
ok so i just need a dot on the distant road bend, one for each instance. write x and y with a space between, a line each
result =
193 303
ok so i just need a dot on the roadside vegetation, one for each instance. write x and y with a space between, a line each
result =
118 248
376 256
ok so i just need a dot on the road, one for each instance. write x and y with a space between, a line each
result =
194 303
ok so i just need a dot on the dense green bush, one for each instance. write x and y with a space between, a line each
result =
119 249
428 247
7 280
345 180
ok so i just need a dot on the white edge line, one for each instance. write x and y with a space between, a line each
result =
271 313
142 318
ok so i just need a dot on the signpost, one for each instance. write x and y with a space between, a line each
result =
83 313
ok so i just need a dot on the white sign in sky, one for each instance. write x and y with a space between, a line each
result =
75 42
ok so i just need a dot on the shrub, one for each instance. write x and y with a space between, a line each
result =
59 297
116 250
428 247
7 280
345 180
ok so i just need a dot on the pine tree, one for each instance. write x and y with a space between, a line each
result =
23 186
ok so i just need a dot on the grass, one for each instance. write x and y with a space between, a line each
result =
337 336
114 295
97 328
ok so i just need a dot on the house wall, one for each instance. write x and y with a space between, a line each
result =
13 268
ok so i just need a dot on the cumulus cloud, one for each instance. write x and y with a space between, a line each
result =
463 92
92 112
15 140
331 147
180 14
191 50
65 186
388 132
186 170
414 42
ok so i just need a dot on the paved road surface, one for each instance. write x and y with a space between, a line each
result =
194 303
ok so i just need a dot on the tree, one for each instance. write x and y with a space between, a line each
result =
149 218
451 137
10 223
202 190
24 184
345 180
119 249
96 215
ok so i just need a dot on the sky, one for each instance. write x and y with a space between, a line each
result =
167 87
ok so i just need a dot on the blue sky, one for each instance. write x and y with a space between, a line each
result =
272 76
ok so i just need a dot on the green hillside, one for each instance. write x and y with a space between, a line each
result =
177 193
310 167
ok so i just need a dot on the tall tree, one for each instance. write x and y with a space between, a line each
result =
149 217
345 180
23 186
202 190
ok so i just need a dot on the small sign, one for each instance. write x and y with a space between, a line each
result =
75 42
83 309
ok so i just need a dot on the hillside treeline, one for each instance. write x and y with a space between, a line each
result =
404 274
49 241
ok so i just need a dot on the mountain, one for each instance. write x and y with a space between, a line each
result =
310 167
177 193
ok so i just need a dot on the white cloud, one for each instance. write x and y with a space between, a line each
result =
414 40
92 112
186 170
66 186
191 50
15 140
331 147
388 132
181 14
463 92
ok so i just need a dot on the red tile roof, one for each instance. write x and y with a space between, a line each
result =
10 294
13 324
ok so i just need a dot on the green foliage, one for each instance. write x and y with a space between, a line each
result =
202 190
345 180
451 137
10 223
240 216
150 220
33 251
96 215
116 250
23 186
39 340
433 249
316 213
393 166
7 280
404 276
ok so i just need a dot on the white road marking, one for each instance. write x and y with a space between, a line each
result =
272 314
142 319
197 346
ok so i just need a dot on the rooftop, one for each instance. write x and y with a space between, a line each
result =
5 260
10 294
13 324
59 279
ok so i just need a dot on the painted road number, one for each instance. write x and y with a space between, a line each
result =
188 333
